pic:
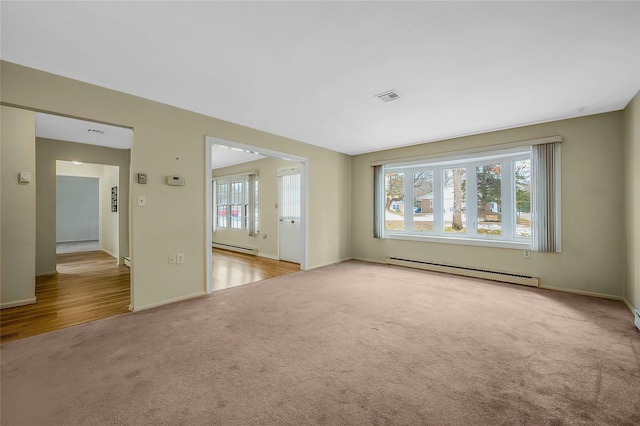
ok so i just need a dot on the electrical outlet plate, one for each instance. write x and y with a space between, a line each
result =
180 258
527 254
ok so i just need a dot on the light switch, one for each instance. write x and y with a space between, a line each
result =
142 201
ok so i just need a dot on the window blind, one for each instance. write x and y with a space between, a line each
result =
545 202
378 200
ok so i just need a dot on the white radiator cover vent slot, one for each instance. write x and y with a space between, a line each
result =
238 249
506 277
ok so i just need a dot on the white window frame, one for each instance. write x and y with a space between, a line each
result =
248 213
508 238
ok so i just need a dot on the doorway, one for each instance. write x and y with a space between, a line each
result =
265 207
87 208
77 214
73 288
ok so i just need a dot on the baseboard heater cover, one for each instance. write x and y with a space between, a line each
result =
239 249
466 271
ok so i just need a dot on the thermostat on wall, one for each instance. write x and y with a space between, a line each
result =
175 180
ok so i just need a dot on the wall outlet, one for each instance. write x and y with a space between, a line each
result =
180 258
142 201
527 254
172 259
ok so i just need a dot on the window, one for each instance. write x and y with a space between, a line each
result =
237 202
482 199
290 196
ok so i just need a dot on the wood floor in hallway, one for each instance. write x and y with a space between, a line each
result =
90 286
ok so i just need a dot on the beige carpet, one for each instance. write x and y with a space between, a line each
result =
354 343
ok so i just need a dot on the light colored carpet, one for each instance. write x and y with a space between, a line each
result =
353 343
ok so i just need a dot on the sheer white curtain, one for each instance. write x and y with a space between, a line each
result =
545 187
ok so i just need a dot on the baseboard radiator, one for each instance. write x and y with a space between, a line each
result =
466 271
239 249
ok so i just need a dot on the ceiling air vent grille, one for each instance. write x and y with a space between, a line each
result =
390 95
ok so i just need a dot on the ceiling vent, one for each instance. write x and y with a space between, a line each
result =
390 95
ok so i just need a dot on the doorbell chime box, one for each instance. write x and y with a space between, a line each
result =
175 180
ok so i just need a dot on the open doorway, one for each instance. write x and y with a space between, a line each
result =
77 214
250 227
83 286
87 207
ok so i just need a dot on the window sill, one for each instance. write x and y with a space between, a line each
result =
524 245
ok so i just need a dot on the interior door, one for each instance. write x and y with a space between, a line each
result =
289 229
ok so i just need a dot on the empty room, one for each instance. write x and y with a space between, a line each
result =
324 213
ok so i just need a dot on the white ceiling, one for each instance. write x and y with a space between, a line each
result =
222 156
310 70
73 130
80 131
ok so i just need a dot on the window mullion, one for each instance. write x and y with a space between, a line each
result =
472 201
508 189
408 200
438 209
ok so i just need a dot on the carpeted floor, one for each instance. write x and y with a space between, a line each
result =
353 343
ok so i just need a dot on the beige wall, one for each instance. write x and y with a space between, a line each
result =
48 151
632 192
592 209
268 213
109 221
171 141
18 208
109 177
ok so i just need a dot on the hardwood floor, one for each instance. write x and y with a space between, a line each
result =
231 269
90 286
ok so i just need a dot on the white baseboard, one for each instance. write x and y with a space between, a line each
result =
629 305
268 256
166 302
362 259
329 263
46 274
583 293
115 256
634 311
13 304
